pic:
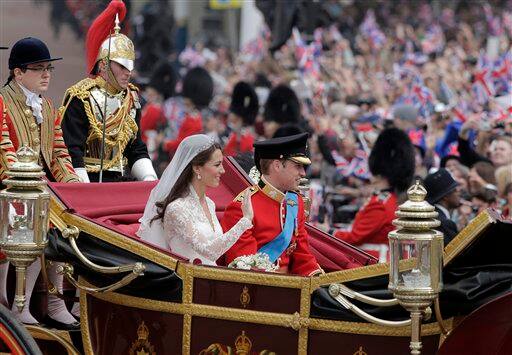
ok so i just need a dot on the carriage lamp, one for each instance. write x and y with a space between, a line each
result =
416 259
24 215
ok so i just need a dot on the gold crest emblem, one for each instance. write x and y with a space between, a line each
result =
142 346
245 297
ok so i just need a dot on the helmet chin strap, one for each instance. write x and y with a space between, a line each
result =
111 79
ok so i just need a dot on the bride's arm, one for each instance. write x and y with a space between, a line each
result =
179 223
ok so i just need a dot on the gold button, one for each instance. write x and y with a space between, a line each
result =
28 112
33 126
36 141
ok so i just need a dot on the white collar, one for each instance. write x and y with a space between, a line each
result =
34 101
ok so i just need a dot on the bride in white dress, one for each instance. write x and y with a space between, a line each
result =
179 216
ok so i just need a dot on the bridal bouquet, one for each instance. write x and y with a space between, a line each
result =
258 261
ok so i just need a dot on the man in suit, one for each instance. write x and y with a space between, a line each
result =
442 192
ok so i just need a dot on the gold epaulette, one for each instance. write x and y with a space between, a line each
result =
240 196
80 89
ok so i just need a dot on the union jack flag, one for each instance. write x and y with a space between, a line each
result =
483 87
370 30
434 40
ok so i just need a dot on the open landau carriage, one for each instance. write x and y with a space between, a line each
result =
140 299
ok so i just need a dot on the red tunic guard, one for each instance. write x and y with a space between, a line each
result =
239 143
372 225
269 213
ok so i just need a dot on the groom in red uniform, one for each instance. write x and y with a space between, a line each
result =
279 220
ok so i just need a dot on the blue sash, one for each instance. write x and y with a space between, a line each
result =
278 245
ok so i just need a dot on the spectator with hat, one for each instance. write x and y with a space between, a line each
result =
29 119
279 219
444 194
243 111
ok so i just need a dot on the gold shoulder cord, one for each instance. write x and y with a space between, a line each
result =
125 127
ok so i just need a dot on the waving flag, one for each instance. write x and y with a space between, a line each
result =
371 31
483 87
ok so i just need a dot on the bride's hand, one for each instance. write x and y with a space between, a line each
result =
247 205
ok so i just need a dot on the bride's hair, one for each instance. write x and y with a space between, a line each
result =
181 185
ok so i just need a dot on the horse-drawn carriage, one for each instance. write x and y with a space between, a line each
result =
139 299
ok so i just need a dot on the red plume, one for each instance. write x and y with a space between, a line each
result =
102 26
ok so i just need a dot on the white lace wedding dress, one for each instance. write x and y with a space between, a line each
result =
188 232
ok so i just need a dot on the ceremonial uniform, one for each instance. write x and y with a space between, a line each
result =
279 219
269 205
372 225
29 119
82 124
20 127
101 98
243 110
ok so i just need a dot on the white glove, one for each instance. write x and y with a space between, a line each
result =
143 170
82 174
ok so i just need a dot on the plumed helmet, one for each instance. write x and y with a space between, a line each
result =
29 50
244 102
282 105
103 38
392 157
198 87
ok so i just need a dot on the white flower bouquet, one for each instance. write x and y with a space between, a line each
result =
258 261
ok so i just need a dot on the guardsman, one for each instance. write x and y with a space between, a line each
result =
29 119
106 96
243 110
279 219
391 163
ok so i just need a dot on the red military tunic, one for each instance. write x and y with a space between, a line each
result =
192 124
372 225
269 211
239 143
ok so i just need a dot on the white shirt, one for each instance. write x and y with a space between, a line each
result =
35 102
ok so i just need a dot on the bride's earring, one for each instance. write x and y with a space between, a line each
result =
198 176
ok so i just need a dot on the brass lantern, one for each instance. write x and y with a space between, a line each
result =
24 216
416 252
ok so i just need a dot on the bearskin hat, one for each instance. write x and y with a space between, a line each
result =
282 105
244 102
287 130
163 79
392 157
198 87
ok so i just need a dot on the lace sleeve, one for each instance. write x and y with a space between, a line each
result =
178 223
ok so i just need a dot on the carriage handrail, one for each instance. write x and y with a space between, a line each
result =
67 270
71 233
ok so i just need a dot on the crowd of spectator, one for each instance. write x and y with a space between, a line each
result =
442 74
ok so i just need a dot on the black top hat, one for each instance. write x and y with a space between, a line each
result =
244 102
289 147
282 105
29 50
438 185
